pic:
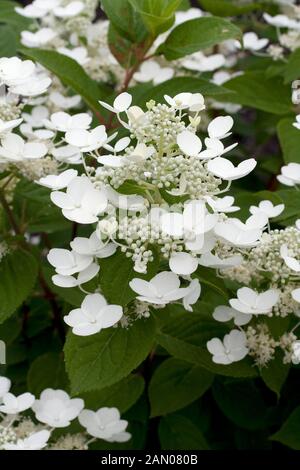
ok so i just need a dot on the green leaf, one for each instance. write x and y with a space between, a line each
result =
18 273
289 138
228 7
292 67
275 373
255 90
116 273
185 337
209 278
179 433
47 371
122 395
242 403
175 384
9 16
289 433
290 198
198 34
158 15
98 361
176 85
71 74
125 20
8 41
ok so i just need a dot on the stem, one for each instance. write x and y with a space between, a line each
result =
9 214
131 71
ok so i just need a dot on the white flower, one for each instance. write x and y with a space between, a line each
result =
119 146
85 140
121 103
35 441
37 85
71 281
70 10
79 54
267 208
189 143
56 408
68 262
224 314
232 349
222 204
222 76
7 126
213 261
152 71
140 154
214 148
256 221
82 203
36 135
64 102
4 386
237 236
296 352
290 174
67 154
192 101
220 127
14 148
131 202
135 115
192 296
195 220
39 38
38 8
289 260
57 182
93 246
14 405
93 316
64 122
281 21
14 71
36 118
252 42
202 63
223 168
162 289
183 263
296 295
190 14
297 123
105 424
249 301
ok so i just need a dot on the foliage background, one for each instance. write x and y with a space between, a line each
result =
165 384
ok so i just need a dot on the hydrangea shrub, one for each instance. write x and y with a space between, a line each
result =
150 224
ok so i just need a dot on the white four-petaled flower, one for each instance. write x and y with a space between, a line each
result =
93 316
233 348
251 302
105 424
56 408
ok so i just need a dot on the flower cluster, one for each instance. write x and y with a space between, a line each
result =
164 159
54 410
